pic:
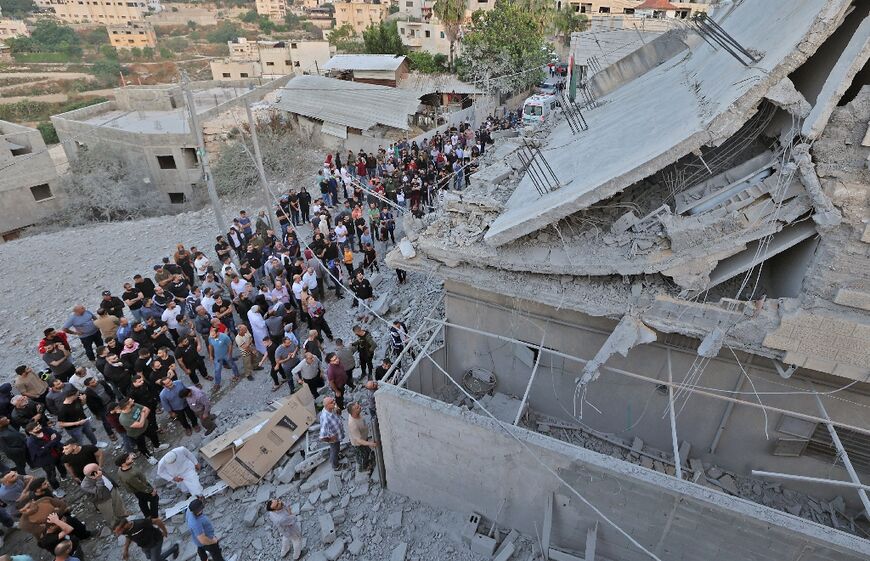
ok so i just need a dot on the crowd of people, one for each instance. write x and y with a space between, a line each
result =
257 302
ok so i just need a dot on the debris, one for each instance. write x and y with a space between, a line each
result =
399 552
327 528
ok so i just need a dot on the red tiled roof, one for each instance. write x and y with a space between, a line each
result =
656 5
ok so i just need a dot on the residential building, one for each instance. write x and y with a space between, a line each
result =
100 11
384 70
10 28
320 18
150 126
133 34
606 8
360 15
429 36
28 180
275 10
270 59
656 333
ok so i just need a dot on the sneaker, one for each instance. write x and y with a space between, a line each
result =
152 460
162 447
101 444
59 493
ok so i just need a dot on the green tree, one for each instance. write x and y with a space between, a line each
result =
165 53
542 12
94 37
49 135
451 13
383 38
226 31
17 8
292 21
108 72
251 16
108 51
135 52
48 37
266 25
427 63
505 50
345 39
148 52
191 24
566 21
176 44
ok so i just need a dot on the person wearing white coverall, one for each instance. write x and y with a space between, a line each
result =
180 466
258 329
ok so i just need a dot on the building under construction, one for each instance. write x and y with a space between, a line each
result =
656 340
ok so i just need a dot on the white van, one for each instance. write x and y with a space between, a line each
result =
537 107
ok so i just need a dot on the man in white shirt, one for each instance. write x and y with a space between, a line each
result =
207 301
309 279
238 285
170 318
180 466
341 235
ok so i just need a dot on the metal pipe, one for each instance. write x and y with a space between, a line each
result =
531 379
849 484
628 374
726 415
843 455
413 337
678 462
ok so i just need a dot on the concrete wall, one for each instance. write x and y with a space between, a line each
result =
20 172
465 462
635 408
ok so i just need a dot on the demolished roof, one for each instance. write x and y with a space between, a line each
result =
364 62
656 5
350 104
762 231
709 95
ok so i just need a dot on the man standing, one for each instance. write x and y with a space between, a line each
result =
336 377
81 324
144 534
13 444
365 347
285 522
220 350
146 495
71 416
347 360
202 533
286 359
58 360
134 418
200 404
176 405
76 457
134 299
104 494
112 304
245 343
107 324
359 438
180 466
331 430
308 372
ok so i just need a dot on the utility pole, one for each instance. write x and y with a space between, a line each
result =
258 157
203 156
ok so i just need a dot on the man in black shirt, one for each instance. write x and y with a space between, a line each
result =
180 290
145 534
222 248
112 304
71 416
76 457
143 285
305 205
133 297
187 353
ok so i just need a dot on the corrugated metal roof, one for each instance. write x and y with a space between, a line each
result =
436 83
364 62
352 104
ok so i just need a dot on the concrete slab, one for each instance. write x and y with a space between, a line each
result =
709 96
853 59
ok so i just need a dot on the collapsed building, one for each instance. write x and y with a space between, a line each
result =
657 305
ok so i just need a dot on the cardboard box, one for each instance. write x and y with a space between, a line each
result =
246 453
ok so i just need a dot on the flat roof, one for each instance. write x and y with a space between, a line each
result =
144 122
364 62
